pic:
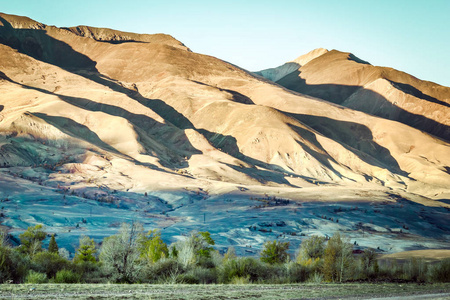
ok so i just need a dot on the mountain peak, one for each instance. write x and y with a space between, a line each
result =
20 22
305 58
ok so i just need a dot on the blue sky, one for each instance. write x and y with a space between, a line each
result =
409 35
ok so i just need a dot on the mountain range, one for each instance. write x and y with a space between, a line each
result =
98 111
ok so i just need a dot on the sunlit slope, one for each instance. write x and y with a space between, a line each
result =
152 110
344 79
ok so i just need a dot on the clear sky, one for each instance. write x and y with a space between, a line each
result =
409 35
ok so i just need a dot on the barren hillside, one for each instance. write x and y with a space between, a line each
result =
98 111
344 79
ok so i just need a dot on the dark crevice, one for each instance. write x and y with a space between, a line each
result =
237 97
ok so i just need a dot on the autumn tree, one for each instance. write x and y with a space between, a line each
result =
338 259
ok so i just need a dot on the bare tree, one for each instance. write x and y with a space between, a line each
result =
120 253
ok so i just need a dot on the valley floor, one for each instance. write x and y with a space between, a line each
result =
252 291
240 217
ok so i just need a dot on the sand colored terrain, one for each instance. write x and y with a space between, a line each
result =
428 255
154 103
97 113
344 79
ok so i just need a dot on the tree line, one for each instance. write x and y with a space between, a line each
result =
135 256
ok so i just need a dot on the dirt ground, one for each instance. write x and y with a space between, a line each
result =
252 291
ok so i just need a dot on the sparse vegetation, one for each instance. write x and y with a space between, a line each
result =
131 256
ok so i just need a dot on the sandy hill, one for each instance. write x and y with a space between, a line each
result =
99 126
146 112
344 79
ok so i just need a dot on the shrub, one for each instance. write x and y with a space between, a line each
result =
49 263
165 270
67 276
275 252
243 267
231 254
90 272
36 277
203 275
13 265
316 278
311 249
295 272
389 271
441 271
240 280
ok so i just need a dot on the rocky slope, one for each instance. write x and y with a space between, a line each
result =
138 127
344 79
152 104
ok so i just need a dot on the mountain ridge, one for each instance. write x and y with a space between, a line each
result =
155 133
344 79
159 77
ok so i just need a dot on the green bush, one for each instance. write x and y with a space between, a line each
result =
49 263
13 265
295 272
316 278
165 270
243 267
311 249
275 252
186 278
36 277
89 271
203 275
67 276
415 270
240 280
441 271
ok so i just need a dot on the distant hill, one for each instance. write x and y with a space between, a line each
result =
344 79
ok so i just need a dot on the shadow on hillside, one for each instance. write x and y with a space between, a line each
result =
410 90
228 144
337 93
320 154
156 131
225 143
37 44
354 137
76 130
237 97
